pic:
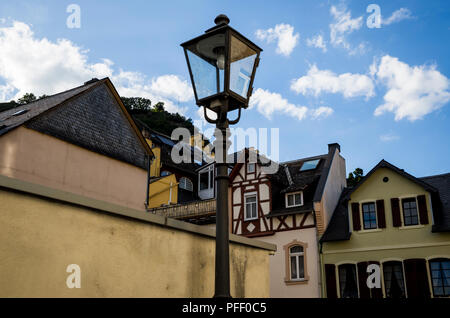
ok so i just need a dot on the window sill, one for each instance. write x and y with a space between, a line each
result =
411 227
369 231
296 282
250 219
293 206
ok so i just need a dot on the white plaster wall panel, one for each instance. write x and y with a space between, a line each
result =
264 192
237 196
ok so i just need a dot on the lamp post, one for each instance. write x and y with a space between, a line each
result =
222 65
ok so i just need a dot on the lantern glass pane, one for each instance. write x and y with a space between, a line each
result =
241 66
205 76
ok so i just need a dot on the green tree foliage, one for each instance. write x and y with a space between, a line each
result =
27 98
354 177
137 104
156 117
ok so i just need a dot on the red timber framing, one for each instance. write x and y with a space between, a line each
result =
245 183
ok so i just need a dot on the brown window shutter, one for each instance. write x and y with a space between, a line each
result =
376 292
396 217
416 278
364 291
423 211
355 217
380 214
330 277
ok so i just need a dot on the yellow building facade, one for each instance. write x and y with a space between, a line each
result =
387 220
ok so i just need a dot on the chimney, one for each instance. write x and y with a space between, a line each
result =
332 147
93 80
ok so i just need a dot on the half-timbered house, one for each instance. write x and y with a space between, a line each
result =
291 209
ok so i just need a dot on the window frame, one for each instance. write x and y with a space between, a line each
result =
339 282
210 172
409 198
362 215
440 260
251 165
288 275
293 193
315 167
297 256
247 195
390 262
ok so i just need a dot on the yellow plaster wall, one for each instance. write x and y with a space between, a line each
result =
160 191
155 167
118 256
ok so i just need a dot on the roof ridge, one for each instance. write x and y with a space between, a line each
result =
63 92
436 175
303 159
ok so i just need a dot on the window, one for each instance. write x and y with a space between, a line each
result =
348 285
440 277
211 178
250 168
394 286
369 215
294 199
309 165
297 262
165 173
186 184
410 216
250 207
204 180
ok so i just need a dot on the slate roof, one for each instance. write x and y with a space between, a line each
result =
338 228
17 116
290 178
166 144
438 186
88 116
441 201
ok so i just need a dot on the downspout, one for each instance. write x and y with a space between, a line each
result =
321 291
321 275
149 163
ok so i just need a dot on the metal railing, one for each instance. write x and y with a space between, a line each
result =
187 210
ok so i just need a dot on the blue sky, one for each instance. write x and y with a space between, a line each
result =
316 92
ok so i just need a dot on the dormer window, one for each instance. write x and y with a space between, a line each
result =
294 199
250 168
309 165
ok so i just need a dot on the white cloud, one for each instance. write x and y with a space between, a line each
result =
397 16
283 34
412 91
318 42
321 112
269 103
389 137
41 66
318 81
342 26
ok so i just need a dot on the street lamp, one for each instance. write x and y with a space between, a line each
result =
222 65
